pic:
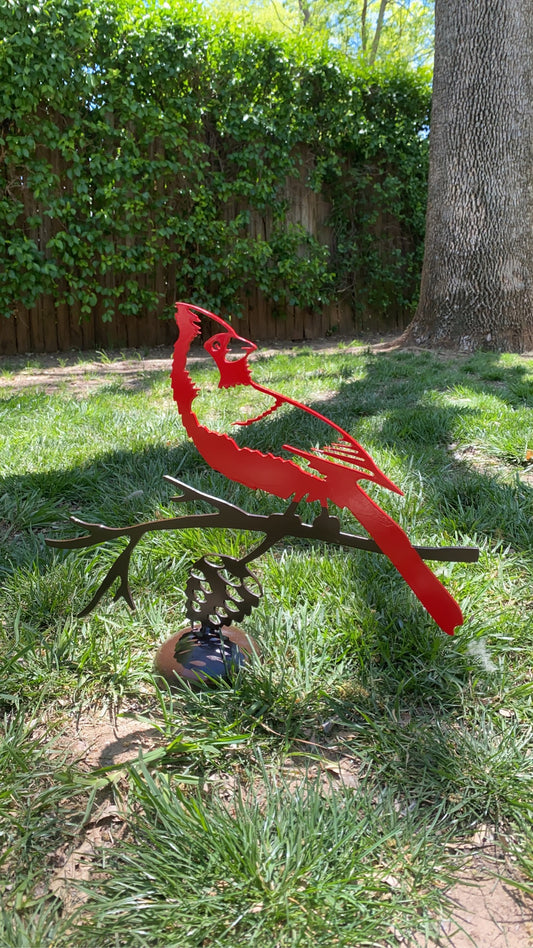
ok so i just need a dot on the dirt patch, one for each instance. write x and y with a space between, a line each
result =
90 743
487 910
99 742
74 865
82 373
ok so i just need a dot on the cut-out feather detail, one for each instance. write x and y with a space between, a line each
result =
349 452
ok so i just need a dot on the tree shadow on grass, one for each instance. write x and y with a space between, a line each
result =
123 487
409 680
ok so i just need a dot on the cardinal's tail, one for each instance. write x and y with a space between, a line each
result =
392 540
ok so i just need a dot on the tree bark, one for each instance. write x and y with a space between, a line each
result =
364 12
377 34
477 278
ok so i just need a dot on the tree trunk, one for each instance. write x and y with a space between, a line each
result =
477 278
377 34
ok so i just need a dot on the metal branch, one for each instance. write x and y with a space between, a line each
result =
119 570
325 527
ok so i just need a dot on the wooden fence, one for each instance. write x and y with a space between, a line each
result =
49 326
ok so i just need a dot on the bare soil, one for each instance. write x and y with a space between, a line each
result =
85 371
488 911
82 372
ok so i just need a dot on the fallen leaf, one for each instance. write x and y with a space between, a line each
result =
392 882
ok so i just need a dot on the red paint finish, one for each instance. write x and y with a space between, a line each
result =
333 472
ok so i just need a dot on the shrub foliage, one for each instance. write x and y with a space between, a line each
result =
147 154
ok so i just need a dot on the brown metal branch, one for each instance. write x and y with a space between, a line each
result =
276 526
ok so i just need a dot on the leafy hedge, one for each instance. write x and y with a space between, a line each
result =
161 142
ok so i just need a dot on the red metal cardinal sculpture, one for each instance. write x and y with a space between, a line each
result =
332 473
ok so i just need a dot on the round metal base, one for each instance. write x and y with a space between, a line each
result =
202 657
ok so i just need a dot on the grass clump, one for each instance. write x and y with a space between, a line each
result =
275 865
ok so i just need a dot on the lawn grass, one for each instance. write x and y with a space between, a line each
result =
324 798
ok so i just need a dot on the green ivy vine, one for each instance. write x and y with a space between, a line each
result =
153 140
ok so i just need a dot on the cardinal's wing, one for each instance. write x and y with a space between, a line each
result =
345 452
350 454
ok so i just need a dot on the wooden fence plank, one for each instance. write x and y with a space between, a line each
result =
76 334
48 315
8 336
35 316
22 326
88 333
64 334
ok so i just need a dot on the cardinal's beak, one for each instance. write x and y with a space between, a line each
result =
239 347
